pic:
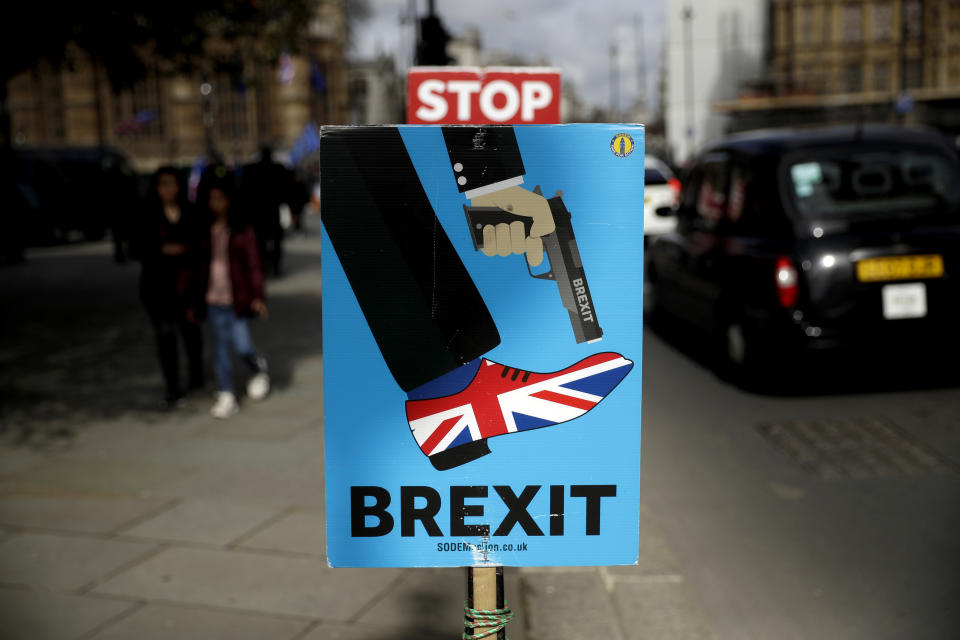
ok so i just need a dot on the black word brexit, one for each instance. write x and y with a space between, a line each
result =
370 515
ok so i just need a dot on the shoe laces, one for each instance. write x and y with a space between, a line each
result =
517 373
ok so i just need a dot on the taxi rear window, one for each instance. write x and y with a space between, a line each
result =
853 183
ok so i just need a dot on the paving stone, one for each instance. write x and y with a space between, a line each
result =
257 423
295 482
865 447
429 602
64 562
167 622
68 512
252 581
433 598
43 615
17 460
93 474
654 556
137 433
202 521
331 631
296 532
572 606
660 610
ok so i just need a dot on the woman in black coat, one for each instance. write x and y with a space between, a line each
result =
169 243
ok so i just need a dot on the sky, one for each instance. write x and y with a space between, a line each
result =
575 35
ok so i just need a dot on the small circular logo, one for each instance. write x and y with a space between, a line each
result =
622 145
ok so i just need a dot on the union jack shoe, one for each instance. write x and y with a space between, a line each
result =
452 430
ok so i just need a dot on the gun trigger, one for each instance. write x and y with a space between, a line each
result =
539 276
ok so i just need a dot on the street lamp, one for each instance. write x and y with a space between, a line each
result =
206 91
688 74
614 85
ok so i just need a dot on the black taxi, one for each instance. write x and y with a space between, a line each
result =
799 240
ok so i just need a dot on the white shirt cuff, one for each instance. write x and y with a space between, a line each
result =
491 188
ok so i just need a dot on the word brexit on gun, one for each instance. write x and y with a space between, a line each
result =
475 416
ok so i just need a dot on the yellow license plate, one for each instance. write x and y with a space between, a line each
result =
900 268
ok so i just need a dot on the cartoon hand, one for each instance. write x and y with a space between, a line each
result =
504 239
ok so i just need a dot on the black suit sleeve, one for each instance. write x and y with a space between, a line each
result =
483 155
423 309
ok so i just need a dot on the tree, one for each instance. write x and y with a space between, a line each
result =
122 36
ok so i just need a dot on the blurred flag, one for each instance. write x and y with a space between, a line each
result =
196 173
318 81
306 144
286 71
135 124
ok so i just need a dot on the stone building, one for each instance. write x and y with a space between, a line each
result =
850 60
376 92
171 118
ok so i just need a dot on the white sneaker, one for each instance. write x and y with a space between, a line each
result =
259 386
225 406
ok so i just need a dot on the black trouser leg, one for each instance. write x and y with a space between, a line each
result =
421 305
193 342
166 334
262 248
277 252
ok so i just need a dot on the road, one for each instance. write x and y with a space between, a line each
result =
828 515
809 515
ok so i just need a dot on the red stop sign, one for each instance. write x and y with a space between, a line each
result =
494 95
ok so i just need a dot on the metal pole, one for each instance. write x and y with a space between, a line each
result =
641 62
688 74
900 112
206 89
614 85
485 591
98 101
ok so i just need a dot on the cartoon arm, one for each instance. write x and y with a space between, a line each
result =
488 169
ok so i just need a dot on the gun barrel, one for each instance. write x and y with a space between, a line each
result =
567 268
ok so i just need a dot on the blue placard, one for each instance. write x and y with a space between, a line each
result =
476 415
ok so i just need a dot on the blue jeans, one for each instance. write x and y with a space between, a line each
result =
227 330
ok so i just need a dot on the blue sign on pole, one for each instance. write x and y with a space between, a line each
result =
482 328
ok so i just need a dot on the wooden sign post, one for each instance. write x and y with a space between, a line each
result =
485 593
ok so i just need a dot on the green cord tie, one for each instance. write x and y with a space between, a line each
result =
496 619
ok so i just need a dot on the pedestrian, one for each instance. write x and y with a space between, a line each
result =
234 293
167 241
266 186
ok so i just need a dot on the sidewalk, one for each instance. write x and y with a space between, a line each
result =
120 521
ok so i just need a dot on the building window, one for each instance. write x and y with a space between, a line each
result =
232 118
806 24
852 28
882 21
52 107
852 77
953 22
805 77
826 21
913 74
913 18
881 76
955 73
